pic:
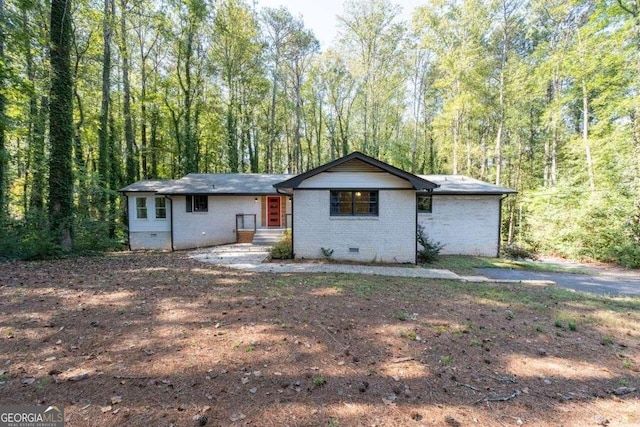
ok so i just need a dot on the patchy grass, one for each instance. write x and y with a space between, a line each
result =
159 339
462 264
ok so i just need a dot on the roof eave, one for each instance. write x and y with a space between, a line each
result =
475 193
417 182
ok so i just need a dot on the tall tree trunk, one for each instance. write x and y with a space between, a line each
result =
3 118
585 135
232 143
456 140
83 206
298 118
501 111
103 130
61 126
144 150
143 122
272 115
131 158
114 178
33 110
154 121
555 141
36 198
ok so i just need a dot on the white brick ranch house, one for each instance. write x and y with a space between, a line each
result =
359 207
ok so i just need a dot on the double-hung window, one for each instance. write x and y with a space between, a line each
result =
141 207
354 203
197 203
161 208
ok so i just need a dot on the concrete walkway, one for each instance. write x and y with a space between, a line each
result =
248 257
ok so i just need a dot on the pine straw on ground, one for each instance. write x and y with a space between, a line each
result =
159 339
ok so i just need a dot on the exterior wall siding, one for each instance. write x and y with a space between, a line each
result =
150 223
147 240
215 227
149 233
466 225
389 237
355 180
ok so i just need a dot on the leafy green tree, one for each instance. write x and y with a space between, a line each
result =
61 126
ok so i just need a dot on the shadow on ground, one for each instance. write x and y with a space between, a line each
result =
158 339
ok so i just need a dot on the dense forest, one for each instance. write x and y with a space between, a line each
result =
542 96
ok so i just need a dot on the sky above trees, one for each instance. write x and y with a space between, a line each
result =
321 15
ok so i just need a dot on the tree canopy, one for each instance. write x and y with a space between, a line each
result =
540 96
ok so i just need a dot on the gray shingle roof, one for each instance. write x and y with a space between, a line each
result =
145 186
460 184
258 184
222 183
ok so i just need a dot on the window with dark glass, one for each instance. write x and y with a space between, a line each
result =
424 204
141 207
354 203
197 203
161 208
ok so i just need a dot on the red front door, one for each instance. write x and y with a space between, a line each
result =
273 211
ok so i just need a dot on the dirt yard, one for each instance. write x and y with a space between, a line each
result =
162 340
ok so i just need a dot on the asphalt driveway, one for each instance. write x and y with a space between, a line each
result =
599 282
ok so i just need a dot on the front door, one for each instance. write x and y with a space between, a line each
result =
273 211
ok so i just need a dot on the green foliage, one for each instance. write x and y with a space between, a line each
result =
411 335
446 360
284 248
28 240
599 228
514 251
93 236
606 341
428 250
401 315
472 88
627 254
319 381
327 252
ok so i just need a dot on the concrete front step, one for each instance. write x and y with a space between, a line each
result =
268 237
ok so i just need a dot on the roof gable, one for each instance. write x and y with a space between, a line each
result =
357 161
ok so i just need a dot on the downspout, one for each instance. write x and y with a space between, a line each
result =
171 221
500 223
415 235
128 222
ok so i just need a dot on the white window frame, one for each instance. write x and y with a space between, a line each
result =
162 208
142 207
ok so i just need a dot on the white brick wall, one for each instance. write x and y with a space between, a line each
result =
155 241
389 237
150 223
215 227
464 224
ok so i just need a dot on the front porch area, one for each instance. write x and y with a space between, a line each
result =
266 228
